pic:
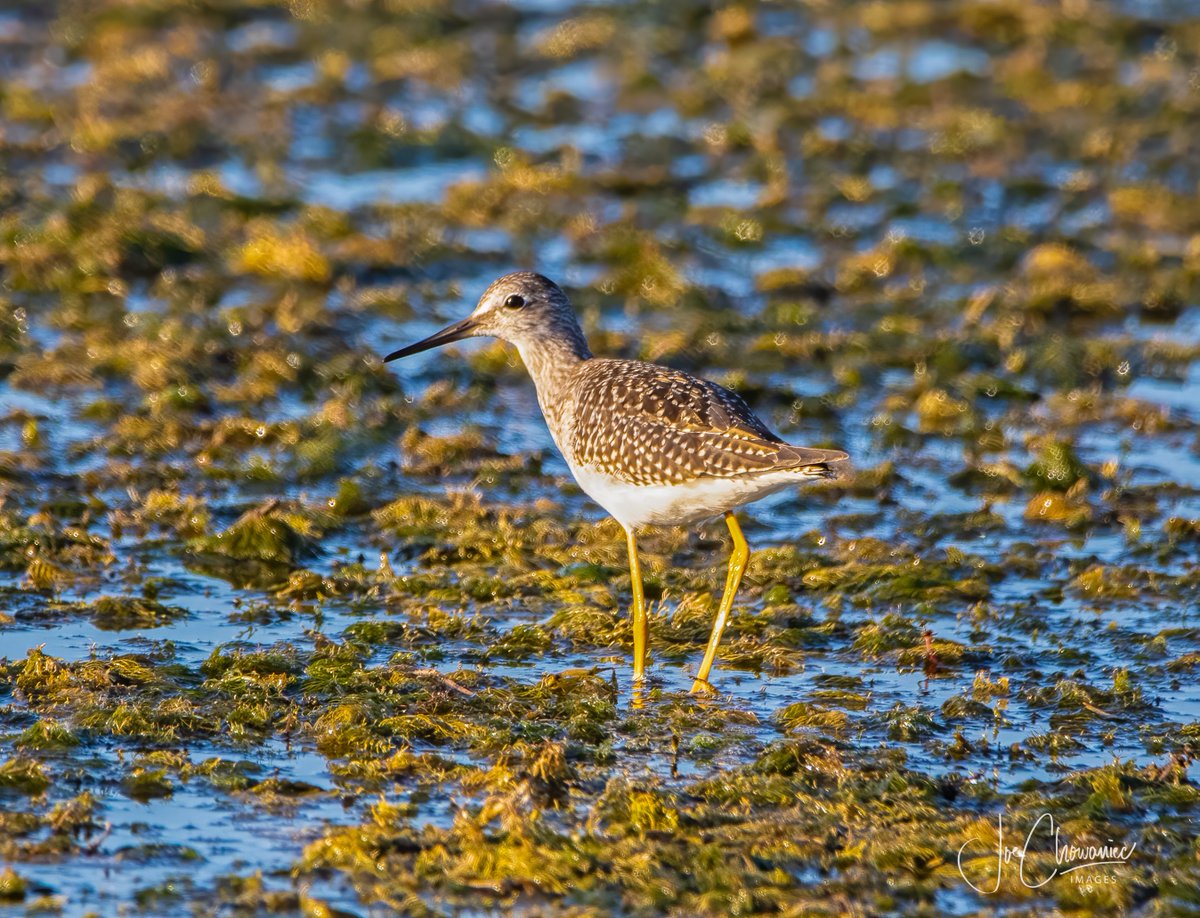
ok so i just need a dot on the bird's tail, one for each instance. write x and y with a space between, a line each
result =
816 463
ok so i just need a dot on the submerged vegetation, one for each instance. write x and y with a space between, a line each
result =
285 632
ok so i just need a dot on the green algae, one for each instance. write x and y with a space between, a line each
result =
144 785
23 775
268 533
117 613
47 734
13 887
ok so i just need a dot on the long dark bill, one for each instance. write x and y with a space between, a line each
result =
455 332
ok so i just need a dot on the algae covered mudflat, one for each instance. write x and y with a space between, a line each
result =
284 631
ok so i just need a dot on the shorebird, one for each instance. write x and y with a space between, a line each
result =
651 445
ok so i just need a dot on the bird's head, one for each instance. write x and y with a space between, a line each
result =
522 308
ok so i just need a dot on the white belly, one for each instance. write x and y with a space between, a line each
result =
634 506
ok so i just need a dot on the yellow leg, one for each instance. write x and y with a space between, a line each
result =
737 567
641 624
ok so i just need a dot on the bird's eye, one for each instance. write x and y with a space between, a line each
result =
514 301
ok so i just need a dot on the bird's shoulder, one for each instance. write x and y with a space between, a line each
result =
662 395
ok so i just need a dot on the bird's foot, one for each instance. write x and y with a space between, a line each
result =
702 687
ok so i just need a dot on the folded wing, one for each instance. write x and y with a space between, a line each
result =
648 425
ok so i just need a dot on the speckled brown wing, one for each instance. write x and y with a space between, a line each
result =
649 425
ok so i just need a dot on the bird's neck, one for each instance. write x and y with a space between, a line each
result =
552 361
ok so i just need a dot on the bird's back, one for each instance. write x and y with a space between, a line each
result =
651 425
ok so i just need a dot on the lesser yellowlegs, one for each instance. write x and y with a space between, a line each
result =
651 445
